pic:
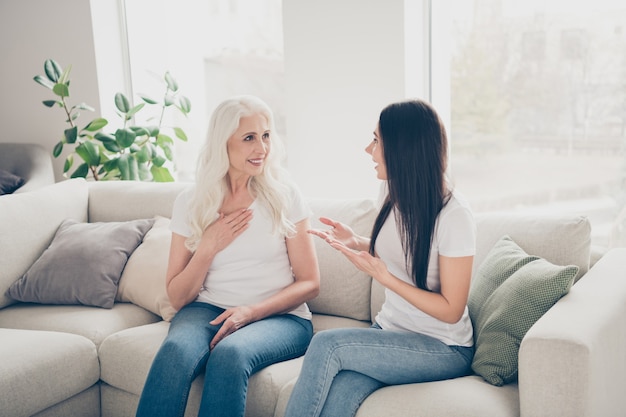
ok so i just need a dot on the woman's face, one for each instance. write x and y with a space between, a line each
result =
375 148
249 146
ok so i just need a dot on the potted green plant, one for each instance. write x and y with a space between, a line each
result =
132 152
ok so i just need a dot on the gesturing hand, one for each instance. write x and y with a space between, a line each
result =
233 319
226 228
365 262
338 232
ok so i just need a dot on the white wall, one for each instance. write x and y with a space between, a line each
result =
32 31
340 73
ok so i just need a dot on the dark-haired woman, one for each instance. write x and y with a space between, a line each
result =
421 250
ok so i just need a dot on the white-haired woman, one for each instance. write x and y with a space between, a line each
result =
241 268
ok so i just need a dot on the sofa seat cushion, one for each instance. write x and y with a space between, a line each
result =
325 322
94 323
84 404
468 397
126 357
40 369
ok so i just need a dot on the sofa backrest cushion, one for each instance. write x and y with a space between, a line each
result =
344 290
114 201
560 239
29 221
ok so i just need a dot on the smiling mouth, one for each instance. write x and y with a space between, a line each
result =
256 161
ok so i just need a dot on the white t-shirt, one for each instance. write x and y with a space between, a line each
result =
254 266
454 236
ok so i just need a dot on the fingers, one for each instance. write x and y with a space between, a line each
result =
231 323
328 222
237 221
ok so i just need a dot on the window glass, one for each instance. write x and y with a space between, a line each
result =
214 49
538 108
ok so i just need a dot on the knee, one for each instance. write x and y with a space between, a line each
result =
326 340
235 355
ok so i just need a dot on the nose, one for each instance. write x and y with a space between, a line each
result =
369 148
262 146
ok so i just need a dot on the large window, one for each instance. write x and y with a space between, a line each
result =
534 92
538 108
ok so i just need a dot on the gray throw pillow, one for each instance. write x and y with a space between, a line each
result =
82 265
9 182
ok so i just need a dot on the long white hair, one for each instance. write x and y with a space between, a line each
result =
272 187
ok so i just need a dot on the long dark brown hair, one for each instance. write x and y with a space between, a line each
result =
415 149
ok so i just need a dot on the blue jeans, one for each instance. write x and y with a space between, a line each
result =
185 353
343 366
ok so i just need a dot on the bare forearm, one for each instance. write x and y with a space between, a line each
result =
184 287
431 303
286 300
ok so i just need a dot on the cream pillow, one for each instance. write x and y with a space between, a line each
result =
143 279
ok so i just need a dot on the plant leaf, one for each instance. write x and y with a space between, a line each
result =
108 141
58 148
53 70
164 140
81 171
171 82
125 137
168 100
140 130
85 106
158 160
89 152
61 90
96 124
134 110
144 172
161 174
148 99
43 81
180 134
144 154
127 165
71 134
69 161
153 131
184 104
122 103
51 103
65 76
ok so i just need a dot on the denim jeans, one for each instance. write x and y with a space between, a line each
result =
185 353
343 366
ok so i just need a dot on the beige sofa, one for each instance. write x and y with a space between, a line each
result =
77 360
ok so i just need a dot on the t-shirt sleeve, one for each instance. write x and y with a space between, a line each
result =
457 233
179 222
299 209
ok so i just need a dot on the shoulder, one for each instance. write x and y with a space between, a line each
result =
457 213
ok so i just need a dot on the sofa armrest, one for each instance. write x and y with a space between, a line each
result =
573 360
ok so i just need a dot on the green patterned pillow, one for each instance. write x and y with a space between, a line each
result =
510 292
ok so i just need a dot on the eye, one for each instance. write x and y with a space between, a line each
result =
266 136
248 138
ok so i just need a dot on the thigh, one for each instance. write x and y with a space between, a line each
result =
190 330
392 357
267 341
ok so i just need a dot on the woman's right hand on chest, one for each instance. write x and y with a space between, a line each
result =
219 234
